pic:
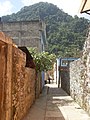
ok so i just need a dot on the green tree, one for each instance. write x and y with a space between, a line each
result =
65 34
44 61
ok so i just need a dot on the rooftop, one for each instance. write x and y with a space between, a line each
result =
85 7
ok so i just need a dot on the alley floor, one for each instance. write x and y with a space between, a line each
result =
55 104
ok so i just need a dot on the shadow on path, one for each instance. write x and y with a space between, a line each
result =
55 104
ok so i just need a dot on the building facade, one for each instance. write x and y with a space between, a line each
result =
26 33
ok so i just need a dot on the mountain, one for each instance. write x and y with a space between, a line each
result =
65 34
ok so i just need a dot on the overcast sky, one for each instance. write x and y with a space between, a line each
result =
12 6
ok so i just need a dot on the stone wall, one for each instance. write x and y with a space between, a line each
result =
5 77
38 84
23 85
80 78
77 81
76 78
65 79
17 82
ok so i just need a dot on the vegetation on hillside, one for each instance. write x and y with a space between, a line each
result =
65 34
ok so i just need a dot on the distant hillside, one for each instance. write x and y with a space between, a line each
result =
65 34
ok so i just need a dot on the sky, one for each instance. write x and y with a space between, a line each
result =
71 7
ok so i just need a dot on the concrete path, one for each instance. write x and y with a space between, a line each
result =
55 104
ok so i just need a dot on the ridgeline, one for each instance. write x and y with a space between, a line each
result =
65 34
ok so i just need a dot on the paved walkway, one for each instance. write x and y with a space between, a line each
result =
55 104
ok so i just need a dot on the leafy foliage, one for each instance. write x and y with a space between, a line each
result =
65 34
44 61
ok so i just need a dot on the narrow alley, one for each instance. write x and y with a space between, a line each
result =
55 104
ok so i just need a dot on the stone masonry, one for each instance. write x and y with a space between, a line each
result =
17 82
23 85
76 80
80 78
65 80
